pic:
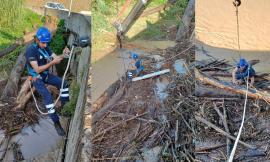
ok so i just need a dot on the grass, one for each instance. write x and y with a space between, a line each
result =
29 20
7 62
58 42
104 12
69 108
170 17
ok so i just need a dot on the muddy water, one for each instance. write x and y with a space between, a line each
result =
202 50
216 24
216 31
109 68
37 140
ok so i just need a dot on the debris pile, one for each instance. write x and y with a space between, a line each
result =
12 121
134 123
219 113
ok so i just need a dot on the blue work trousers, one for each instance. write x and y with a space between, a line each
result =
39 84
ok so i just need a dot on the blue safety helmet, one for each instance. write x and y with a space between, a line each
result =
134 55
43 35
242 63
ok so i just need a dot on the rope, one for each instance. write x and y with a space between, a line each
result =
242 124
238 35
62 85
237 4
70 8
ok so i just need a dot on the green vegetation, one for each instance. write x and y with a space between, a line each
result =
69 108
8 61
10 11
58 42
104 13
170 17
15 21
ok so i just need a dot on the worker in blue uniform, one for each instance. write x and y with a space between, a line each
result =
242 71
135 67
39 59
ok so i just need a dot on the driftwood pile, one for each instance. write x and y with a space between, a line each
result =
129 121
16 97
219 113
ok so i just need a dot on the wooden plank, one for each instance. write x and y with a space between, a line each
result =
151 75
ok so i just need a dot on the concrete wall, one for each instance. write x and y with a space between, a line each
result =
73 146
79 25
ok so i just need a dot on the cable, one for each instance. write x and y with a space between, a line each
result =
36 101
237 4
242 124
64 76
70 8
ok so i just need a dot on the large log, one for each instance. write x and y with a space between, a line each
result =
25 94
252 93
186 20
203 91
11 89
8 49
115 98
134 14
105 96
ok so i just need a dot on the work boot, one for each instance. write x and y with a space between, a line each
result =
60 131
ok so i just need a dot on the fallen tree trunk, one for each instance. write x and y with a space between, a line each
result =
186 20
256 94
105 96
8 49
134 14
99 114
25 94
11 89
203 91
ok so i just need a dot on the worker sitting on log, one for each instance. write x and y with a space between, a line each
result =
242 72
39 59
135 67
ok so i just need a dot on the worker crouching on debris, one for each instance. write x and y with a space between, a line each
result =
242 72
135 67
39 59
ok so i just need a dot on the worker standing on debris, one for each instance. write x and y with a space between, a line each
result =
39 59
242 71
135 66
